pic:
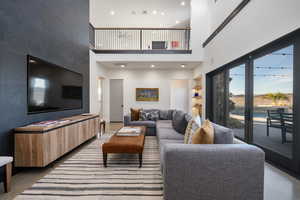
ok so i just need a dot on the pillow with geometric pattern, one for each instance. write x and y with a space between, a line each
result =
146 115
191 128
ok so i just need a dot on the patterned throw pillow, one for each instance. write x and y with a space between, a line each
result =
149 115
188 131
143 115
154 115
191 129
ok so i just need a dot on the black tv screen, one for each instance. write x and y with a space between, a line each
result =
51 87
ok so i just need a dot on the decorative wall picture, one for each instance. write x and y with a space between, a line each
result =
147 94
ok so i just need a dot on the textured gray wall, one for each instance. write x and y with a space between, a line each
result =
53 30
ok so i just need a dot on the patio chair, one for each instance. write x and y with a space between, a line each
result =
273 120
287 125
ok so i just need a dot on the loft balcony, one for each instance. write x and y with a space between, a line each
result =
140 40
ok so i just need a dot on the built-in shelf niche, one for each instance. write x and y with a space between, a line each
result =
197 97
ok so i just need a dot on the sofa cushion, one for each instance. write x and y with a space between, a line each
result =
165 114
135 114
180 121
222 134
168 133
164 124
204 135
170 116
148 124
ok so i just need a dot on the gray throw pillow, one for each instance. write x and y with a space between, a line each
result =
170 114
163 114
180 121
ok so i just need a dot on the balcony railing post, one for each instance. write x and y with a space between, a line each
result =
141 39
188 38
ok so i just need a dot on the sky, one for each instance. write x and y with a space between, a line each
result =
277 79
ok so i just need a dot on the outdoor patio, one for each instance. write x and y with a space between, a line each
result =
272 142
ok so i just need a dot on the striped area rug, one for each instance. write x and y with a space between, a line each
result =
84 177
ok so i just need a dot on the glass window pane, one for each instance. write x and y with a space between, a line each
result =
236 101
219 103
273 101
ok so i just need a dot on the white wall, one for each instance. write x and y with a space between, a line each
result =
96 71
219 10
137 78
180 95
259 23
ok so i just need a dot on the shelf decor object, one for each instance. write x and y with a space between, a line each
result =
197 96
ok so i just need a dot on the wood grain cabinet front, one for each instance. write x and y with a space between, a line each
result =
38 147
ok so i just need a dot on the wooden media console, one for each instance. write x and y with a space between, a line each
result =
37 145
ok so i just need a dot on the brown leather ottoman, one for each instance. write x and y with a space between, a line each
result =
125 144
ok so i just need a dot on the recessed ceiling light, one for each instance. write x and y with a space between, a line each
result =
152 66
112 12
182 3
177 21
182 65
154 12
122 66
162 13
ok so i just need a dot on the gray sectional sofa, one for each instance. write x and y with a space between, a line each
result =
150 125
221 171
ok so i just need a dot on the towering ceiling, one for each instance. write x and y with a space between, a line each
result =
140 13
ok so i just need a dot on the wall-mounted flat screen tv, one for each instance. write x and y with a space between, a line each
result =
51 87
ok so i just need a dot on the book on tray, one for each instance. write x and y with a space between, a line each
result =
128 131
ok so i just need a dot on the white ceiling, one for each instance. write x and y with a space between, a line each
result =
100 13
147 65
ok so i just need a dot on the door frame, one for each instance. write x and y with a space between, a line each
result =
101 79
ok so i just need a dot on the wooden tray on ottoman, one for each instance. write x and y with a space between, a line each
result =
126 145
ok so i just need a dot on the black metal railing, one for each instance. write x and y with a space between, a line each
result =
118 40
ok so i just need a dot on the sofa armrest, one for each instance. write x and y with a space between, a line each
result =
219 172
127 120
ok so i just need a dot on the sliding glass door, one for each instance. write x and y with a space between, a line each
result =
273 101
256 97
